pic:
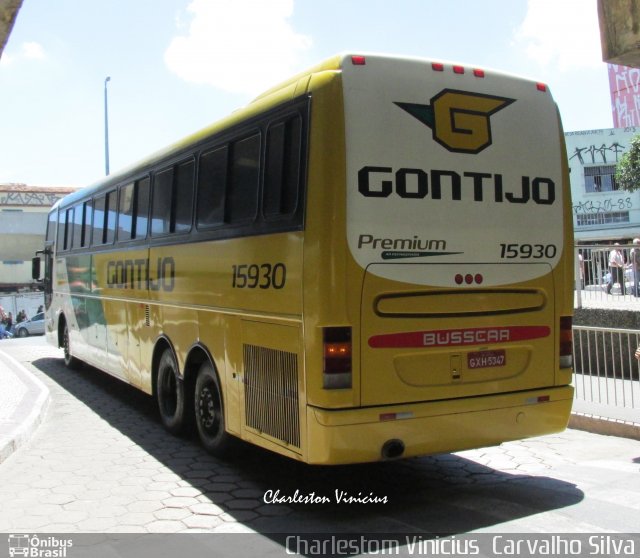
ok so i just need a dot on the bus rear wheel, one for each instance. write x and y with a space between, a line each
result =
170 394
209 412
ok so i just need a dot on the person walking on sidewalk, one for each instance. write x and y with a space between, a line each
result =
4 332
616 267
635 266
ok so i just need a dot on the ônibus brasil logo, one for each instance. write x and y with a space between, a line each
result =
459 119
34 546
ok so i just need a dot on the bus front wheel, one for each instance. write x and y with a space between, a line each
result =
170 394
209 412
70 361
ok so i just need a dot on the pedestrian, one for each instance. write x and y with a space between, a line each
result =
635 266
4 334
616 269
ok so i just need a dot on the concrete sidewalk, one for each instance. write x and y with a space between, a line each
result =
605 419
23 403
24 400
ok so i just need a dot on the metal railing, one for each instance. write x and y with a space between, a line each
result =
605 368
599 285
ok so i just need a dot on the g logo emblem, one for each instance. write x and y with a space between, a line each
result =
459 119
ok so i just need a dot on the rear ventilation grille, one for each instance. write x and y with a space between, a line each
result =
271 393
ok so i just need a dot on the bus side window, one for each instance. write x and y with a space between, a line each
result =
87 210
52 224
141 208
133 211
68 229
78 216
111 217
242 185
212 185
162 199
97 233
104 220
282 168
183 197
125 213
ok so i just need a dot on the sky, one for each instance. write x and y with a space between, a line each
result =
176 66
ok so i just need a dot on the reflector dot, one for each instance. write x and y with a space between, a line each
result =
468 278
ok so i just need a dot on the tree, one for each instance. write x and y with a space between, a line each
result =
628 167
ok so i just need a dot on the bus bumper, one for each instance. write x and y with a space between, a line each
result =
378 433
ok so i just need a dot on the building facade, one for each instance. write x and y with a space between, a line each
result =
23 221
624 87
602 211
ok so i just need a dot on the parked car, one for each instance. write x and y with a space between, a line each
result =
34 326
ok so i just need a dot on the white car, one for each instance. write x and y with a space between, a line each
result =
34 326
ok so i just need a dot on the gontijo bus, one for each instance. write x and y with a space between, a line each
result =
370 261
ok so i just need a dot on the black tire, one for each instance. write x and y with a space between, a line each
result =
209 412
70 361
170 394
22 332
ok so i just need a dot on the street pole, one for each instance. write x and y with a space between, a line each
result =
106 128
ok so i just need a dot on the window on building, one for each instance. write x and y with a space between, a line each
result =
600 178
603 218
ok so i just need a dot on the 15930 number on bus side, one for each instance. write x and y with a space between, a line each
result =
259 276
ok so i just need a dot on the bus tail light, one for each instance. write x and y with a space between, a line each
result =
566 342
336 373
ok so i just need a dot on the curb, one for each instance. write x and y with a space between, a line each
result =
604 425
27 414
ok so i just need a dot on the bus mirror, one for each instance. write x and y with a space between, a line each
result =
35 268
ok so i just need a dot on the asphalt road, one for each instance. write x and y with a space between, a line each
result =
101 462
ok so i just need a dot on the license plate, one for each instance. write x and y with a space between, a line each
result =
486 359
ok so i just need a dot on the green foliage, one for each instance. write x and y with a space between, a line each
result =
628 167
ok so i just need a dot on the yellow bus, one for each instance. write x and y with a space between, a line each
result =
370 261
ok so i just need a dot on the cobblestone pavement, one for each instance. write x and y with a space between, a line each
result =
101 462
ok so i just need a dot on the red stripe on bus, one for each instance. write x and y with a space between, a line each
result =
458 337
